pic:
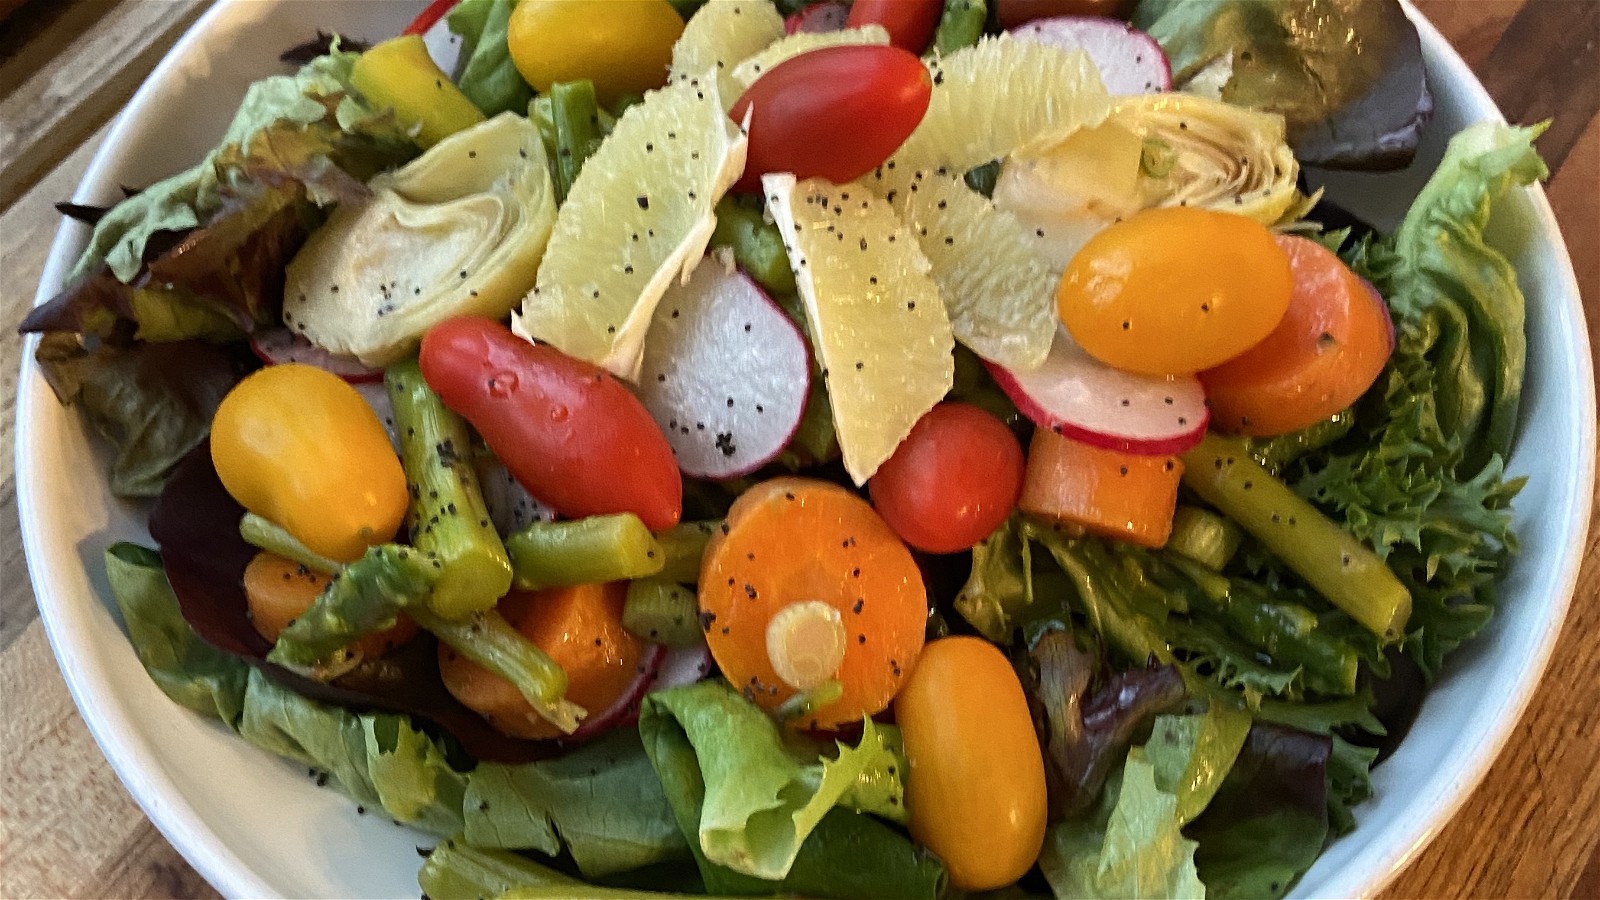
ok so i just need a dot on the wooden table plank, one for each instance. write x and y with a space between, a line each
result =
67 828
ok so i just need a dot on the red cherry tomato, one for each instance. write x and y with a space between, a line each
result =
910 23
835 113
572 434
952 481
1017 12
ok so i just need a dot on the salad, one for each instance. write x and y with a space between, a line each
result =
851 450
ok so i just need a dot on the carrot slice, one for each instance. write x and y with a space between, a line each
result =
1327 350
809 553
1119 495
580 627
277 591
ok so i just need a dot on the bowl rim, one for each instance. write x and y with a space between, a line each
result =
154 788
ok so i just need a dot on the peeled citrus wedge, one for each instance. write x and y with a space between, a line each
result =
876 320
990 101
719 36
639 215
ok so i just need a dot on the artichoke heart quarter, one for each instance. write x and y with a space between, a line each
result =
458 231
1207 153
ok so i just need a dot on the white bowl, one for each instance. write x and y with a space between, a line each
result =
255 826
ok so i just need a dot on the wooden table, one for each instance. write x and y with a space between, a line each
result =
67 828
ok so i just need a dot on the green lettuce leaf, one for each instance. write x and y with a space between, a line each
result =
601 802
1129 847
1193 754
1000 587
708 751
193 673
1422 478
760 800
153 402
485 72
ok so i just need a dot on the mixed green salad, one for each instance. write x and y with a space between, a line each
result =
900 448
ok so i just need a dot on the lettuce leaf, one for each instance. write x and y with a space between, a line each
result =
760 800
486 73
1130 846
601 802
1000 587
1193 754
736 793
1422 477
153 402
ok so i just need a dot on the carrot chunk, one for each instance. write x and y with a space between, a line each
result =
1119 495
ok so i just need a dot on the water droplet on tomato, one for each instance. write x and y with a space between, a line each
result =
501 384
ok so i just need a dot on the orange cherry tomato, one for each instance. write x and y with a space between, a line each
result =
581 629
952 481
910 23
1174 291
1329 348
976 791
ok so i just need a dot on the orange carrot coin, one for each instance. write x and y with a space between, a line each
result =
805 584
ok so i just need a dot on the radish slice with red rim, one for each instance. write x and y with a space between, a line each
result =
625 710
1130 61
829 15
1079 397
683 665
280 345
725 373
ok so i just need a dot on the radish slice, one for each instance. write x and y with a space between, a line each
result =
1079 397
511 507
725 373
684 665
1130 61
829 15
625 711
430 17
280 345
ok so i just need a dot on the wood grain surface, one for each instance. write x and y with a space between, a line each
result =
67 827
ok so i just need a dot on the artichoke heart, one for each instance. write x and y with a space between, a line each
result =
458 231
1152 150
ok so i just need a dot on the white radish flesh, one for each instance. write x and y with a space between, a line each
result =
1130 61
725 373
1079 397
511 507
829 15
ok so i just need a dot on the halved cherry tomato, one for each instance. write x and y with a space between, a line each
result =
622 46
976 789
835 113
578 627
910 23
1017 12
1174 291
952 481
277 591
805 583
1119 495
1328 349
568 431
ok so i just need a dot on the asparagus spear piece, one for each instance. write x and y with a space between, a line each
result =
684 545
1329 558
366 596
585 551
267 535
1204 536
961 25
448 520
488 639
576 117
756 243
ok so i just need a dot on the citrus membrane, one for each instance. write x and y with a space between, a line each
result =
638 216
719 36
877 322
989 101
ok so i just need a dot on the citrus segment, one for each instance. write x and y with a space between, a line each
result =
876 319
639 215
753 67
719 36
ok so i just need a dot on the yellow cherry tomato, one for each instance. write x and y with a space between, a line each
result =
297 445
975 792
623 46
1174 291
